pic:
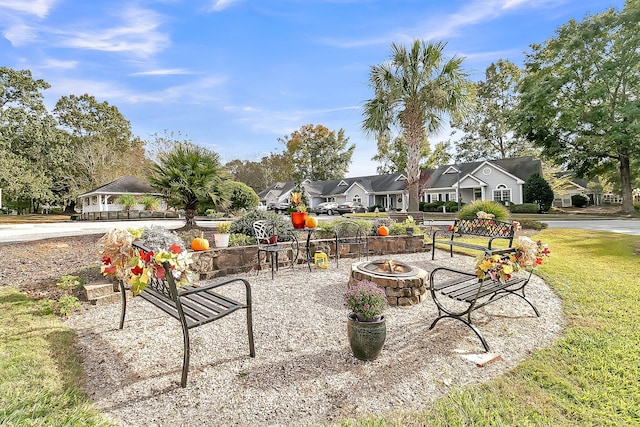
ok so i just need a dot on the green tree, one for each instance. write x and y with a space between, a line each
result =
241 196
101 139
487 132
31 151
579 99
189 176
318 153
537 190
413 91
393 155
248 172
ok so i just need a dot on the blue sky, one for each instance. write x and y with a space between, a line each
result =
236 75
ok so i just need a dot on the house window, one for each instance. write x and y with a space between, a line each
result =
451 196
502 194
356 198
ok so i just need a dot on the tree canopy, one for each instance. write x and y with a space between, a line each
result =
317 153
487 131
579 98
190 176
413 91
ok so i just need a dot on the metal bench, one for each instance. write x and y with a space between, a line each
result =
397 216
350 236
192 306
481 227
472 293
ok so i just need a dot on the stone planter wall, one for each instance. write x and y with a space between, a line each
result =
126 215
218 262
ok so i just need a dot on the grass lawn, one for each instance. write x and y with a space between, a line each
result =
589 377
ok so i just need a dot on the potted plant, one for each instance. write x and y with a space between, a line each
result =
366 325
221 235
299 213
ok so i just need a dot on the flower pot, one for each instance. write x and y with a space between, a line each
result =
298 219
366 338
410 231
221 240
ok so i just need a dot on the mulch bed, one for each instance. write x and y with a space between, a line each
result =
35 267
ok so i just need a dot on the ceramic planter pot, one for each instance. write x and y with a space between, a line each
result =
366 338
221 240
298 219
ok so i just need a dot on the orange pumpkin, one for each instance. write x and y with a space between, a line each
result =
311 222
199 244
383 230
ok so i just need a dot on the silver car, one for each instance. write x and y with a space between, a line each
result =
328 208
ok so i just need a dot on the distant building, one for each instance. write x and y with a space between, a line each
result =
105 198
499 180
572 186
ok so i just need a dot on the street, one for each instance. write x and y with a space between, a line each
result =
37 231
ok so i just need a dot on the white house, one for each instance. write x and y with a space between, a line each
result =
104 198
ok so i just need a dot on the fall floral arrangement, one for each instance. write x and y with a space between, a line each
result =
297 201
526 255
366 300
122 261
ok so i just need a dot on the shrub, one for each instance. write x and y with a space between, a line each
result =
127 201
452 206
524 208
241 196
636 206
244 224
469 210
157 238
432 207
397 229
579 201
241 240
537 190
532 224
150 203
212 213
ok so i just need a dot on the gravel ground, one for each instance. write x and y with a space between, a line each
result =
303 372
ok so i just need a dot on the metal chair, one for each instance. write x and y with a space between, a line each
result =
351 233
267 237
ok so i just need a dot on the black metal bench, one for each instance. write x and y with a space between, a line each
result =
471 293
481 227
192 306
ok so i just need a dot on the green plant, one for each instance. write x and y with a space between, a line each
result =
223 227
470 210
579 200
524 208
241 240
537 190
127 201
297 201
212 213
244 224
150 203
66 305
532 224
366 299
69 283
397 229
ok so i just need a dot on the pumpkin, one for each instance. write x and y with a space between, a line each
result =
199 244
383 230
311 222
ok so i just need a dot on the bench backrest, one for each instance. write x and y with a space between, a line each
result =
484 227
165 287
401 216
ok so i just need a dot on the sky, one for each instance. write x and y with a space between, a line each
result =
235 76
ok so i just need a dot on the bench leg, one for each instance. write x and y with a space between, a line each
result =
469 324
123 296
185 359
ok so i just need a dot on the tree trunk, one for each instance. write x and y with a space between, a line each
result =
625 183
190 216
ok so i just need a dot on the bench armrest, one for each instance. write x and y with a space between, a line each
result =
216 285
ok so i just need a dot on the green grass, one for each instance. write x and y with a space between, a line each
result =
589 377
41 373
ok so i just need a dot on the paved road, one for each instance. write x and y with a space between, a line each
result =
28 232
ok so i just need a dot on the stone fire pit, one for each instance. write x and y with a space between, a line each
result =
403 284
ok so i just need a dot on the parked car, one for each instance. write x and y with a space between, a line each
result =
328 208
278 206
351 207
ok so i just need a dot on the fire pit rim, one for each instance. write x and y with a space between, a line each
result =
410 270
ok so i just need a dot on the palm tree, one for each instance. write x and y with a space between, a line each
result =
189 175
413 91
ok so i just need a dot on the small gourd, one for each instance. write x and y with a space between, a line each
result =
311 222
383 230
200 244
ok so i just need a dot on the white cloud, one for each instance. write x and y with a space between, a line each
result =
138 35
219 5
163 72
40 8
59 64
20 34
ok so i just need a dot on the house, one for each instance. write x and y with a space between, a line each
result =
104 198
387 190
500 180
571 185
